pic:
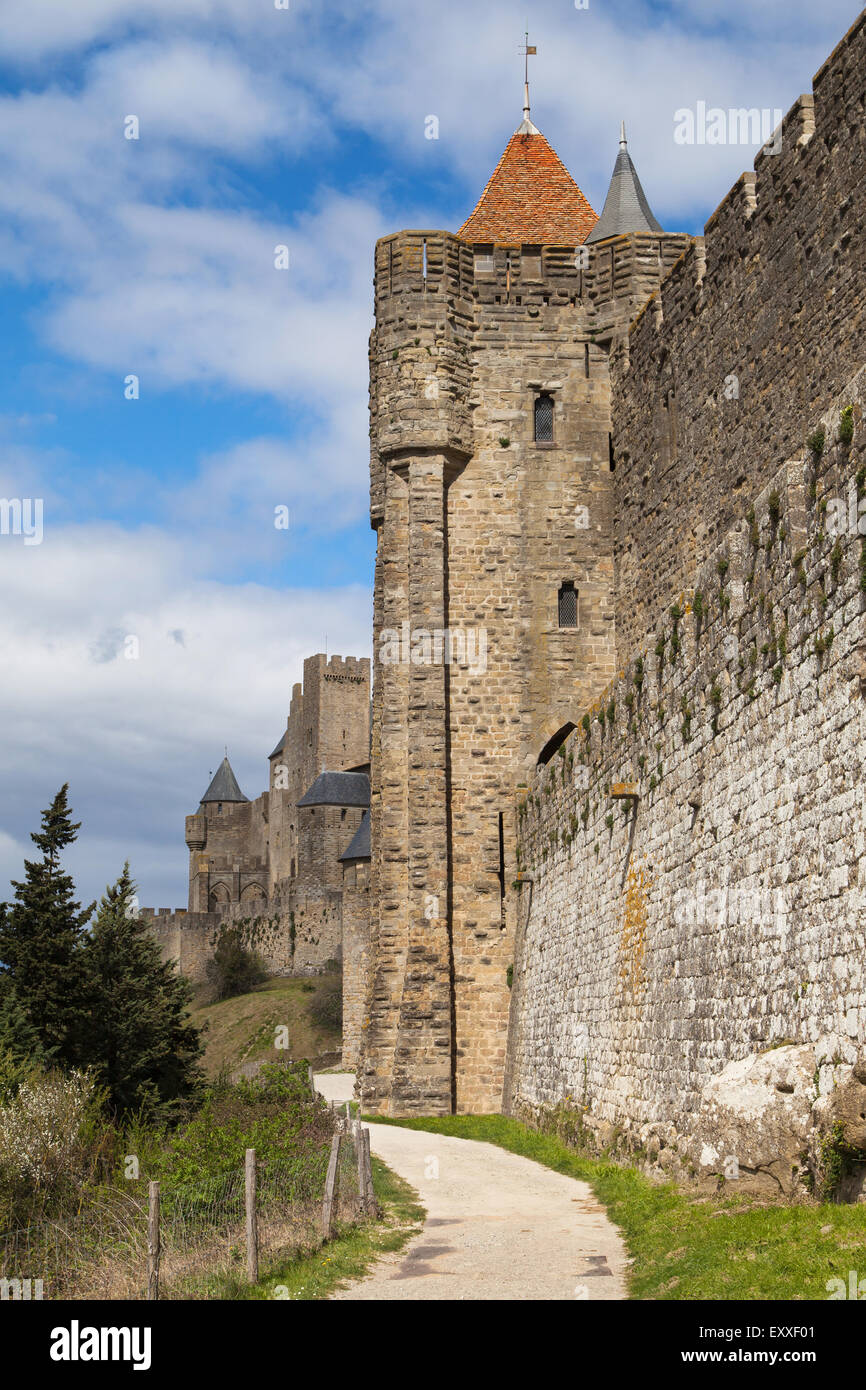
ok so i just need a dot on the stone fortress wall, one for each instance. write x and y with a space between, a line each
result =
756 329
691 859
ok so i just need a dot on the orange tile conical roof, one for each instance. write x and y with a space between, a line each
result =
530 198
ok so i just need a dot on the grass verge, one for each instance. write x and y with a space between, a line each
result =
686 1245
316 1274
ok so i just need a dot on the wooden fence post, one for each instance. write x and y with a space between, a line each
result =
252 1227
331 1188
368 1164
312 1080
361 1154
153 1240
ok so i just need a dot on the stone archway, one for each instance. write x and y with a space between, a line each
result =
219 898
553 739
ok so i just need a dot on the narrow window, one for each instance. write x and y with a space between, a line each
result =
544 419
501 863
611 459
586 360
670 404
568 605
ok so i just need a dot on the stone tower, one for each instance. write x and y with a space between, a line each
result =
273 866
493 618
328 729
228 855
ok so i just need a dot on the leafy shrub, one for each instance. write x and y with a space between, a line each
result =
40 1128
273 1113
234 969
815 441
846 425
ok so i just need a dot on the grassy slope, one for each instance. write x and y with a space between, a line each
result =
242 1029
686 1246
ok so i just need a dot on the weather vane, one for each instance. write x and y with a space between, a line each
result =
528 50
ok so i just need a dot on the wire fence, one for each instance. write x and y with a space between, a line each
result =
178 1240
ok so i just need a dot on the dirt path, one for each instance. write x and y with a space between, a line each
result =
498 1226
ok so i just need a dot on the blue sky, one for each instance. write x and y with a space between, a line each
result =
155 257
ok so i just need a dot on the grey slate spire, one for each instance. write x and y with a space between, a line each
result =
625 207
224 786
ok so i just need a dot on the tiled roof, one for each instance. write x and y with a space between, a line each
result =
224 786
530 198
338 789
625 207
359 845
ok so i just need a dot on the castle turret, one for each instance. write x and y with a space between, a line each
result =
224 786
625 208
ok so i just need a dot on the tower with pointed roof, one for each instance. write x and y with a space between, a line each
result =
491 497
281 867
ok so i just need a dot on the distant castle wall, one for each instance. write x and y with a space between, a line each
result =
270 866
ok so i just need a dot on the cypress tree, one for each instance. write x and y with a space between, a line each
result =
42 984
139 1040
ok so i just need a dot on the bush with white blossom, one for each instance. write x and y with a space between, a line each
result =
41 1129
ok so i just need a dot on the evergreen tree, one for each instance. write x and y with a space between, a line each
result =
139 1040
41 985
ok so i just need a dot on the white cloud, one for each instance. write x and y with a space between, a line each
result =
135 738
193 296
34 29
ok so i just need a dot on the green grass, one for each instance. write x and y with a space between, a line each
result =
242 1029
686 1245
316 1274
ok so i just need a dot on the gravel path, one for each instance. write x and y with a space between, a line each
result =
498 1226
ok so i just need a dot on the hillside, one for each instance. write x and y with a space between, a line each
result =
242 1030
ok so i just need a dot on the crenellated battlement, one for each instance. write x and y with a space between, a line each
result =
754 325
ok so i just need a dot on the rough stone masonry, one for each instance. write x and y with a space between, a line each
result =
626 856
